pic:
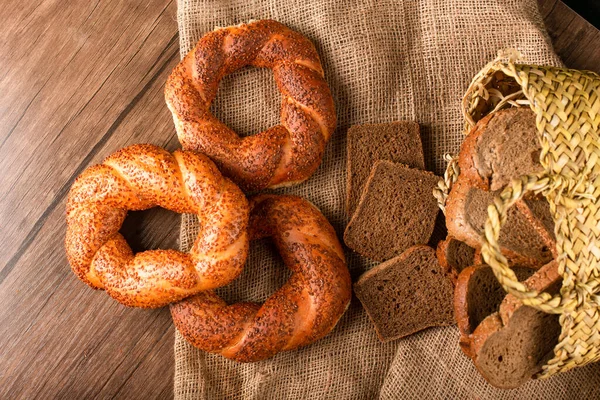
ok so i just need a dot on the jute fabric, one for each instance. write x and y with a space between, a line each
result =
384 61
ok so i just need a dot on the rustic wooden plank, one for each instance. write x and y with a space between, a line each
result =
94 77
87 344
574 39
148 375
81 81
59 338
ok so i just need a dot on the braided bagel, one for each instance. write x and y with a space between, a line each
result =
144 176
304 310
282 155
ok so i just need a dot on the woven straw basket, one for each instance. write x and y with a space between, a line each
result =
567 107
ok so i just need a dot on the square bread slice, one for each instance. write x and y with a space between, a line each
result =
397 210
397 141
511 346
406 294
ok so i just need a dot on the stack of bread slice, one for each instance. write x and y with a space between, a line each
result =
393 213
507 341
501 147
389 199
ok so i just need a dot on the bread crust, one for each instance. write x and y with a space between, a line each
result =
469 178
302 311
547 237
466 161
441 253
284 154
461 309
456 222
544 278
143 176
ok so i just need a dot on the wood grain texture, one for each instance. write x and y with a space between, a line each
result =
574 39
79 80
93 84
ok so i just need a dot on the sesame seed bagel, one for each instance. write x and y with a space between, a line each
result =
302 311
280 156
143 176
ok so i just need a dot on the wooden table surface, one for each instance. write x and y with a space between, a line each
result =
79 80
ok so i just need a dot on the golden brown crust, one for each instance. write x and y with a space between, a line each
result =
139 177
302 311
535 222
456 218
541 280
456 222
441 252
472 338
287 153
466 162
478 257
490 325
461 308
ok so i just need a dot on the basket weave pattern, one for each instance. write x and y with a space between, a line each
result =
567 107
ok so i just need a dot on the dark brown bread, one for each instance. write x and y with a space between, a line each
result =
515 352
510 346
397 210
484 292
508 147
537 211
406 294
502 146
541 211
397 141
454 255
477 295
518 234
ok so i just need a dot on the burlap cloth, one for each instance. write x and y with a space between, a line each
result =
384 61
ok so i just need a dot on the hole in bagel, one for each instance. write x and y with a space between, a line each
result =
248 101
263 274
155 228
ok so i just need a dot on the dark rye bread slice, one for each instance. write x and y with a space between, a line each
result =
397 141
406 294
537 211
518 234
478 294
504 146
513 344
397 210
454 255
466 213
